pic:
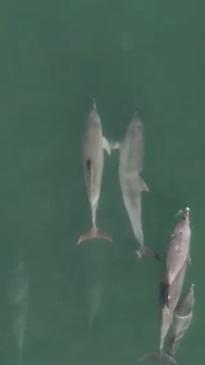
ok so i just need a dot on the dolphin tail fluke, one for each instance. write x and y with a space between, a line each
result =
147 252
162 358
94 233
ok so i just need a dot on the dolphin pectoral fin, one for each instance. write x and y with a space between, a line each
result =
94 233
163 358
143 185
106 145
114 145
147 252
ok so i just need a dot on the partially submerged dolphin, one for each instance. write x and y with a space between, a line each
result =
182 319
131 159
93 160
18 295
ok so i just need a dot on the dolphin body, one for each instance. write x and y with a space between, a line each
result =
131 159
93 161
179 247
18 295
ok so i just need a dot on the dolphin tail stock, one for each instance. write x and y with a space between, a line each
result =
147 252
162 358
94 233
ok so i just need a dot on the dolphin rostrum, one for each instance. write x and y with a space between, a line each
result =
131 158
93 160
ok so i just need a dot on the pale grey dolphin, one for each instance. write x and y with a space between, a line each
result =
131 160
179 248
18 295
93 161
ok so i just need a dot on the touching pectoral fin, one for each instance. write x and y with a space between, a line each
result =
143 184
114 145
106 145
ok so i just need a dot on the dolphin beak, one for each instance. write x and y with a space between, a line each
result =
187 213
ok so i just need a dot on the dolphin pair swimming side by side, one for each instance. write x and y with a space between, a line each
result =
131 161
93 160
130 166
176 262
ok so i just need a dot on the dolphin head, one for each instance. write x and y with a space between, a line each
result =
94 118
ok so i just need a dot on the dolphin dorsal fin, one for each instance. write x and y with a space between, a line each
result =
144 186
106 145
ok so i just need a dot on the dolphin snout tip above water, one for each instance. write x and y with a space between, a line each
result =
187 212
94 105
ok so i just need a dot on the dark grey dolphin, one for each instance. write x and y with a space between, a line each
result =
93 161
18 295
131 160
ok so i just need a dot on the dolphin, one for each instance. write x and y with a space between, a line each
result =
182 319
167 315
18 295
131 159
178 251
176 262
93 160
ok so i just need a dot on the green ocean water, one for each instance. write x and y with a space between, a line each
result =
97 304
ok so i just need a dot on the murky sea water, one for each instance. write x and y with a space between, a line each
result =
96 304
